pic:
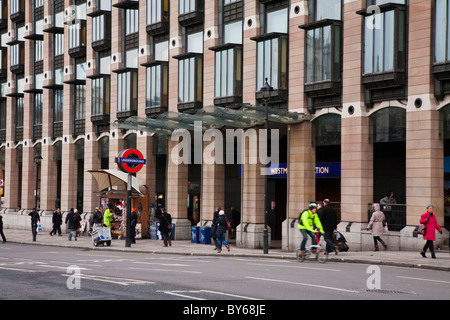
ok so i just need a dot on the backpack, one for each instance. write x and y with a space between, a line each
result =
300 217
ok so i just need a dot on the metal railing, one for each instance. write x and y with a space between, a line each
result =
395 215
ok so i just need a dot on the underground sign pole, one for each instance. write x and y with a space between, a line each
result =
130 161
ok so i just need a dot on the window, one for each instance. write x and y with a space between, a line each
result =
58 106
233 32
384 42
127 91
98 28
157 86
59 44
190 79
324 9
132 21
38 3
38 50
19 112
157 11
323 54
100 96
385 47
272 63
195 42
17 54
80 102
228 73
38 103
277 21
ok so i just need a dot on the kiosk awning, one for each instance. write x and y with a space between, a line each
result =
211 117
113 178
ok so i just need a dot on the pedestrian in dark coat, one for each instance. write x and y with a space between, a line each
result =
133 221
214 227
328 218
221 230
165 219
1 229
56 221
34 222
428 219
72 224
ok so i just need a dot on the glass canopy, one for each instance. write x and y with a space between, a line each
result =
210 117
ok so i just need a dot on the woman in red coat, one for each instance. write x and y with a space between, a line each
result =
428 219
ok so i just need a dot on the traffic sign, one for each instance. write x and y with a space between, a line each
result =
130 160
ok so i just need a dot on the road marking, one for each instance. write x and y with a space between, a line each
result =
183 294
230 295
292 266
178 294
22 270
119 281
166 270
164 264
420 279
304 284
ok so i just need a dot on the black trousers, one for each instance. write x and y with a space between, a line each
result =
2 234
328 236
56 227
34 230
429 245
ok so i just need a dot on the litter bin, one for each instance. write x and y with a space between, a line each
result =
205 235
195 232
153 232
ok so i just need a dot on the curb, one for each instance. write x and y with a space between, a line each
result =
244 255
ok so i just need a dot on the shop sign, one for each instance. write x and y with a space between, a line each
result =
328 170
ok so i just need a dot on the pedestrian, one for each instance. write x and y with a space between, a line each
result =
108 216
165 226
428 219
78 217
56 222
388 199
307 220
328 218
133 222
98 218
235 221
34 222
1 229
72 224
221 230
377 224
214 227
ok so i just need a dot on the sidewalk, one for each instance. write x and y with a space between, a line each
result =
182 247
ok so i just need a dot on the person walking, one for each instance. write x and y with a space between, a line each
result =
377 224
72 224
133 222
78 217
98 218
328 218
221 230
428 219
34 222
56 221
165 226
1 229
214 227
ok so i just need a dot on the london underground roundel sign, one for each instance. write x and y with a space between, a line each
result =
130 160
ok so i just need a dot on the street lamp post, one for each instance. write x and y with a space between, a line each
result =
37 160
266 89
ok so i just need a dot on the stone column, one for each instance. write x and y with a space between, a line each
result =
177 193
301 180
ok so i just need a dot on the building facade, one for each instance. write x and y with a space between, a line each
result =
371 75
